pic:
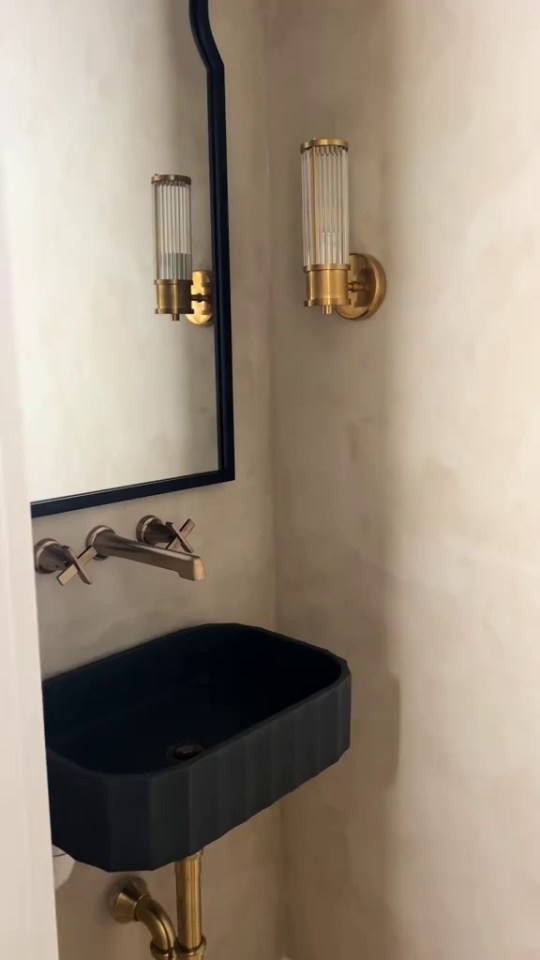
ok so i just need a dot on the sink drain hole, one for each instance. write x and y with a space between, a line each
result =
183 751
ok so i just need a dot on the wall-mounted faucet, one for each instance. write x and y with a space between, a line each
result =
176 554
107 543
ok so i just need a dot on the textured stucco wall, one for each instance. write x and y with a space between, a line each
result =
407 466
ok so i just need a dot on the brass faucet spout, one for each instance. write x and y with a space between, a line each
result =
107 543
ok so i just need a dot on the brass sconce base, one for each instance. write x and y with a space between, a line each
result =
366 287
189 298
355 291
131 901
326 287
173 297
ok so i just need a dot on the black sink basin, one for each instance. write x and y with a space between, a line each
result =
154 752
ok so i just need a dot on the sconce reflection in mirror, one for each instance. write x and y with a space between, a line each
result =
353 284
179 289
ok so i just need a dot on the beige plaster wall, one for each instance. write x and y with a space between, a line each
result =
407 475
128 603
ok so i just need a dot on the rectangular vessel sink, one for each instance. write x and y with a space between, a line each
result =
157 751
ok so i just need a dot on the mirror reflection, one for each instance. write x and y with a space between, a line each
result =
104 97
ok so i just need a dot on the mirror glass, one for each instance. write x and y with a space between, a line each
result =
103 96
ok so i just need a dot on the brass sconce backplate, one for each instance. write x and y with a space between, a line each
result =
366 285
201 298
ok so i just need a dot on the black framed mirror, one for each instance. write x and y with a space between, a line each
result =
120 402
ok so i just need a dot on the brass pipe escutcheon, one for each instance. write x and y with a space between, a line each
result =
132 902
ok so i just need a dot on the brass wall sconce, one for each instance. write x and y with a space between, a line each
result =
180 290
352 284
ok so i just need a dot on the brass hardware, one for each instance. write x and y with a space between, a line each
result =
366 286
326 287
180 291
174 297
355 292
201 298
352 284
188 905
154 531
50 556
170 178
131 901
192 299
107 543
323 142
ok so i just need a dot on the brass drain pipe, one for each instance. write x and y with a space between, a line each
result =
191 942
132 902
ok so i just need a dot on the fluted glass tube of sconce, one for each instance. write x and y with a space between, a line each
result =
172 226
325 203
